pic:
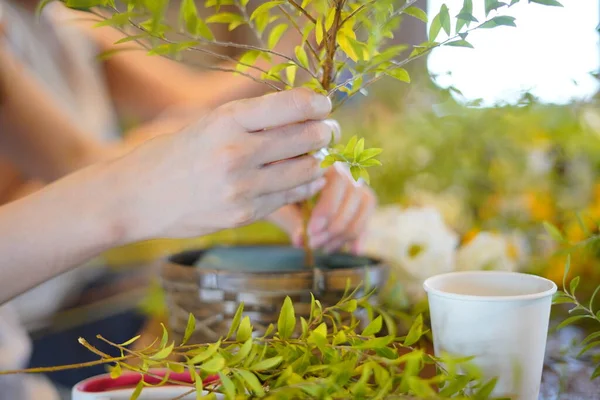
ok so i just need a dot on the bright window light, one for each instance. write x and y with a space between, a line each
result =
551 53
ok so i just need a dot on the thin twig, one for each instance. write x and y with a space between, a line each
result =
303 11
359 9
313 52
250 23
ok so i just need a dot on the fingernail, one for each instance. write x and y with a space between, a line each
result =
317 225
321 104
335 129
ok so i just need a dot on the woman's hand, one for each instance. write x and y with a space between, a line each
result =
237 165
339 217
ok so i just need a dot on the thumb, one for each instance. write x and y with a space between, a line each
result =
289 218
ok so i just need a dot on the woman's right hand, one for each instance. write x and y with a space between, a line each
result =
234 166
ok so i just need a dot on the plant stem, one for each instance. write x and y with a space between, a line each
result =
309 257
303 11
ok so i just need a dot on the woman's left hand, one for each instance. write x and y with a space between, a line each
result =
338 219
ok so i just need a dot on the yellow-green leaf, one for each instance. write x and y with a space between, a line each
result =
417 13
138 390
252 382
198 384
235 322
319 30
301 56
291 74
358 149
374 327
115 371
276 34
189 329
364 174
399 73
214 365
286 324
415 332
164 353
267 364
355 171
130 341
247 60
228 385
368 154
264 8
330 18
242 353
206 354
245 330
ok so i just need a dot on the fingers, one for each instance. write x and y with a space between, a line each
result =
338 225
295 140
352 233
279 109
274 201
329 203
287 175
289 218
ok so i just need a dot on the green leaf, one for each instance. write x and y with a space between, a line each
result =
465 16
234 20
547 2
591 304
596 373
247 60
328 161
570 320
264 8
355 171
399 73
291 74
286 324
276 34
591 337
445 19
358 149
164 353
130 341
415 332
235 322
589 347
368 154
267 364
417 13
205 354
189 329
460 43
301 56
435 27
486 390
330 18
245 330
251 381
374 327
364 174
214 365
370 163
242 353
228 386
116 371
198 384
188 15
553 232
561 298
138 390
177 368
165 337
349 306
499 21
319 30
491 5
573 285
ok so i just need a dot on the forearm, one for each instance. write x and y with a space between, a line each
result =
58 228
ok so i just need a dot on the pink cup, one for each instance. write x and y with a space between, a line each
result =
103 387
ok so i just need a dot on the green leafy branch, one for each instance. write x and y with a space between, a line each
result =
330 354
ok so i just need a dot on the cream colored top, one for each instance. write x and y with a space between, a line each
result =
63 60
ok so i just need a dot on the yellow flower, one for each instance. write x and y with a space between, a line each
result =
539 206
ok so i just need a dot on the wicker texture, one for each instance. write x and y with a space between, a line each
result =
213 296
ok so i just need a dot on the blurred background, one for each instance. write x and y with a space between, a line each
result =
491 142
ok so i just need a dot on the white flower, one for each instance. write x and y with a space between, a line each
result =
450 203
414 239
488 251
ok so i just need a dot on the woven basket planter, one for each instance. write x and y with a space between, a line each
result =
213 293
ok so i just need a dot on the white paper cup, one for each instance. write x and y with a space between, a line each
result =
500 318
103 387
